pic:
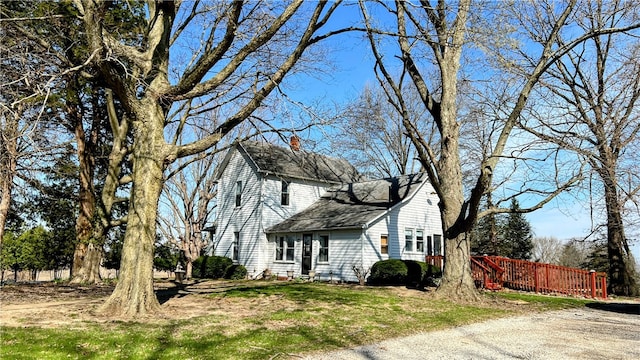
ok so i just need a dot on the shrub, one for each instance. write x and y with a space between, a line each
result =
430 276
217 267
415 272
198 267
388 272
211 267
402 272
236 272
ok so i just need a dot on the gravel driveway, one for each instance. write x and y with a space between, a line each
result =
603 331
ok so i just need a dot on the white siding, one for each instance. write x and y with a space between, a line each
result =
244 219
420 212
345 251
261 208
301 195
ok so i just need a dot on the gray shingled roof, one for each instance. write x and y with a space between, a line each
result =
300 164
351 206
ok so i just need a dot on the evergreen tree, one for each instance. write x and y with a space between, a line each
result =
518 239
574 254
597 257
486 236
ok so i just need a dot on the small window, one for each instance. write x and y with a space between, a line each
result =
235 245
239 193
384 244
285 247
437 245
290 248
323 255
408 240
419 241
284 194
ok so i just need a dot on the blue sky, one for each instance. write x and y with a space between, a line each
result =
563 219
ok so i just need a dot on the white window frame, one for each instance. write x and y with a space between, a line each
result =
238 197
321 248
408 240
419 242
286 246
285 193
235 247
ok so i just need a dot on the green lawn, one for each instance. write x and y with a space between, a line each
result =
270 321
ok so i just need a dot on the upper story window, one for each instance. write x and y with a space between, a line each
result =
284 194
408 239
239 193
323 255
419 240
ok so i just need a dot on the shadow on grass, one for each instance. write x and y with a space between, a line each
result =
622 308
178 290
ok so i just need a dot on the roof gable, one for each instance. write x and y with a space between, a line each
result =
283 162
352 206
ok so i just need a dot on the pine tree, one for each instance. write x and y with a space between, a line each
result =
517 235
487 238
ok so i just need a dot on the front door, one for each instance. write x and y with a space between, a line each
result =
307 240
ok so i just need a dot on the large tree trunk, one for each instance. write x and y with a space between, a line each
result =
87 256
622 275
134 294
457 281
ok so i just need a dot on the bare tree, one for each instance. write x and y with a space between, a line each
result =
591 97
25 91
241 57
371 135
546 249
431 38
189 203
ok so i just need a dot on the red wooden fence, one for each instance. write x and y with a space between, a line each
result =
494 272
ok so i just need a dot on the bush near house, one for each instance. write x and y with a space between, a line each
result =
236 272
218 267
401 272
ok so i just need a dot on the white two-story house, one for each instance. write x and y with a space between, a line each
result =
288 210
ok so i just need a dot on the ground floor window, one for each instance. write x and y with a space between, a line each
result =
408 239
323 255
285 246
384 244
419 240
234 246
437 245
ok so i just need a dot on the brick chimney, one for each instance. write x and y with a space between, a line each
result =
295 143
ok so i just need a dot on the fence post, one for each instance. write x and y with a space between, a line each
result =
536 280
604 286
593 283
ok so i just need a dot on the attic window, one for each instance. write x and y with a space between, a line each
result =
284 195
239 193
